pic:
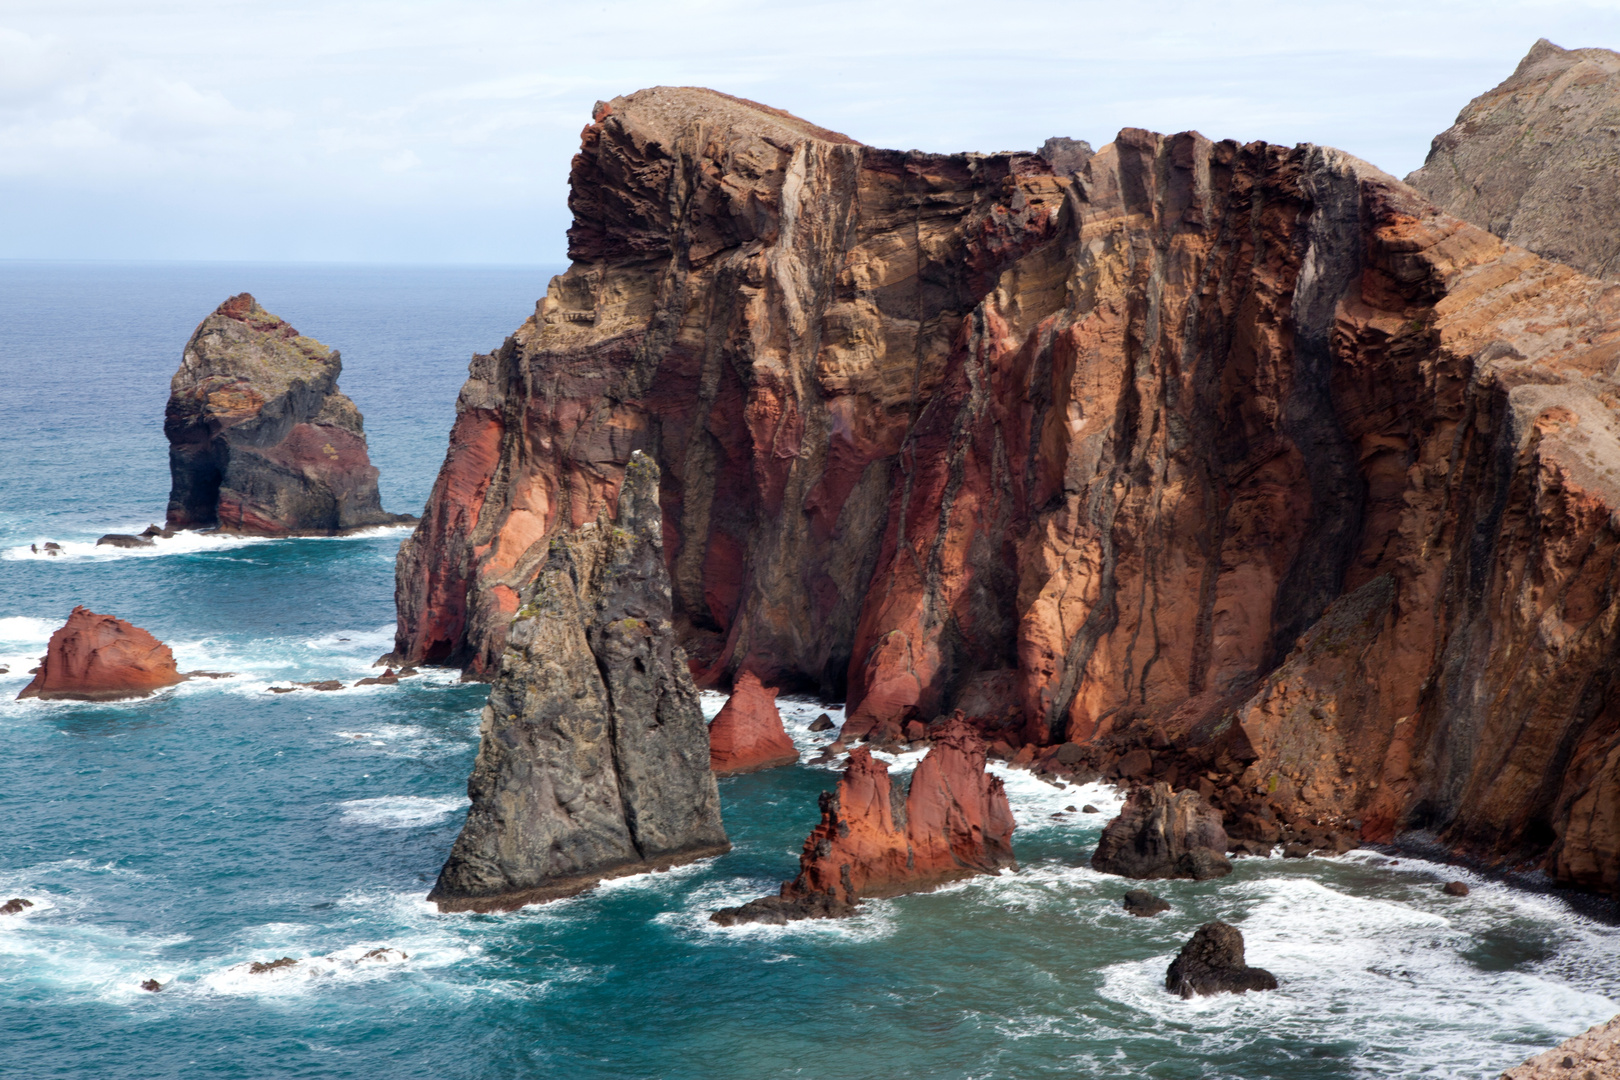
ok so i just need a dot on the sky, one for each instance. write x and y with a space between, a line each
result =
430 133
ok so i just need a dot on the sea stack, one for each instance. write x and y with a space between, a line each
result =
747 736
594 756
100 658
1163 835
261 441
881 838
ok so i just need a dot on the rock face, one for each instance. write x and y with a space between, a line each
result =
100 658
1537 160
878 838
747 735
593 760
1144 904
1160 835
261 441
1236 450
1212 963
1591 1055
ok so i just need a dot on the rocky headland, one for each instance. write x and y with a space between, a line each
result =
100 658
879 837
593 759
1238 467
747 735
261 441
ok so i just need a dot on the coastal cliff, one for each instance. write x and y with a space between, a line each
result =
1242 453
261 441
593 760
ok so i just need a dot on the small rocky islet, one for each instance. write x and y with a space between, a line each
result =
625 515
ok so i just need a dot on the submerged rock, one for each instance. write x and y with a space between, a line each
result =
1592 1055
259 967
152 984
15 906
747 735
124 540
881 838
593 759
1212 962
261 440
100 658
1162 835
1143 903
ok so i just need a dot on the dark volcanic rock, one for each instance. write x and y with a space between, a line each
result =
260 438
1160 835
1535 160
1141 902
879 838
822 723
1455 888
123 540
100 658
1066 155
152 984
594 756
259 967
15 905
1212 963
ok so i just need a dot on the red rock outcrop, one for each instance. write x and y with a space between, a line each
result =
261 440
1239 452
747 735
878 838
100 658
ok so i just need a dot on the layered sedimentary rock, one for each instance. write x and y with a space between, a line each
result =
593 758
261 440
747 735
1163 835
1537 159
100 658
1239 452
1212 962
1592 1055
880 838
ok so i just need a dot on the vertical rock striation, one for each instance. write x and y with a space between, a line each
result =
593 760
1537 159
261 440
1243 452
747 735
878 838
99 658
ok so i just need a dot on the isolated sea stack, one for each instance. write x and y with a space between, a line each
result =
261 441
881 838
1243 456
1163 835
747 735
100 658
594 755
1537 160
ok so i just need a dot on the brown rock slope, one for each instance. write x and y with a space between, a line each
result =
593 760
1592 1055
1242 452
747 735
1537 160
100 658
878 838
260 438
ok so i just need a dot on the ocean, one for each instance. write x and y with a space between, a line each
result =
187 836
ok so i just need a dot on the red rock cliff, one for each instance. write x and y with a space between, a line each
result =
100 658
1229 442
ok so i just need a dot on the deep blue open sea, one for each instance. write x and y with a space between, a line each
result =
183 837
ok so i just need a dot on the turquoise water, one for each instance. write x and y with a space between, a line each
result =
185 836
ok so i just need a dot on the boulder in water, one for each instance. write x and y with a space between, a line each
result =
100 658
1212 963
15 906
123 540
1455 888
1164 835
1143 903
747 736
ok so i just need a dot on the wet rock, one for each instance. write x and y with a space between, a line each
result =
1163 835
822 723
15 906
388 678
747 735
152 984
1089 809
281 689
1296 851
100 658
593 756
1455 888
1143 903
209 674
259 967
1592 1055
156 530
879 837
386 955
123 540
52 548
1257 848
261 441
1212 962
324 684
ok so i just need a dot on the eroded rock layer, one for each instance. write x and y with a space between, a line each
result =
593 759
879 838
261 440
1235 447
99 658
